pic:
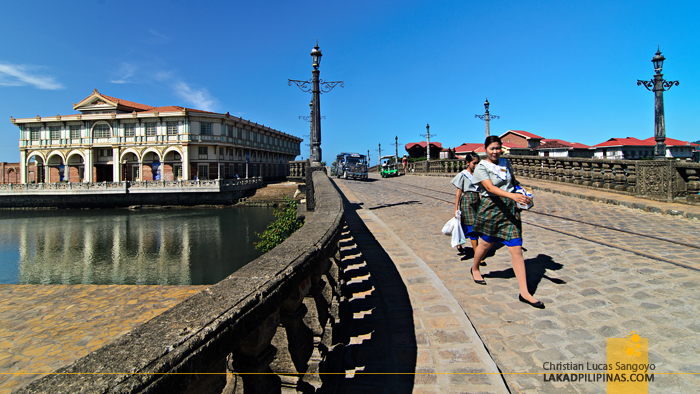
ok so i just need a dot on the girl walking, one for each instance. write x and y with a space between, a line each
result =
498 219
468 200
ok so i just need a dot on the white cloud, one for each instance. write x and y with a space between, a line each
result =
126 71
20 75
199 98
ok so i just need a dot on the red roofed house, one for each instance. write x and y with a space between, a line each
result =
419 149
462 150
631 148
561 148
115 140
521 139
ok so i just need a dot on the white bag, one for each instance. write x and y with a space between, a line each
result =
458 237
453 227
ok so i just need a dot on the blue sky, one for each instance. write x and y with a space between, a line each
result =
559 69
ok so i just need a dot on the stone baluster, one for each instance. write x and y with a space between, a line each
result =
295 343
252 360
578 175
545 169
568 172
608 177
632 177
538 168
560 171
693 185
596 176
619 177
586 173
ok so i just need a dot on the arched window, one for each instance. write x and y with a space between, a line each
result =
101 131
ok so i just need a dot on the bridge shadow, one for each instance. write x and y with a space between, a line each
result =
380 342
536 269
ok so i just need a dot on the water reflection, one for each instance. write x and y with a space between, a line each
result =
126 247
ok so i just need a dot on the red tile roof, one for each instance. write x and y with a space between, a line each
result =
468 147
672 142
557 143
522 133
505 145
422 144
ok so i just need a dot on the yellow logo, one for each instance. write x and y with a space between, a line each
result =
628 364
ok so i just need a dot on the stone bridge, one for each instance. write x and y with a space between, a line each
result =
369 297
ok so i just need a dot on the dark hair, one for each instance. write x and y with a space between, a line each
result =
471 156
491 139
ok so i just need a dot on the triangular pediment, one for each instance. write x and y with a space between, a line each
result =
96 102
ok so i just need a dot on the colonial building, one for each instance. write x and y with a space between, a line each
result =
116 140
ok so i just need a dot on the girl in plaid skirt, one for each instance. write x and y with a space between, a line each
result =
468 199
498 219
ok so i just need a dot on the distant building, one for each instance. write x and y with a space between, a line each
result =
113 139
419 149
446 153
462 150
561 148
631 148
521 139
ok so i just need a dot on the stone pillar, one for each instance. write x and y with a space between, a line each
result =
23 166
252 360
87 174
578 176
185 162
116 165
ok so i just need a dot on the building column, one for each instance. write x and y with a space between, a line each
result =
23 166
185 162
141 167
116 165
87 174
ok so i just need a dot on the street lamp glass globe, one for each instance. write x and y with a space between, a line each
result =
658 61
316 56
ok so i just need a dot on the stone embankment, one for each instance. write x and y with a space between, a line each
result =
273 194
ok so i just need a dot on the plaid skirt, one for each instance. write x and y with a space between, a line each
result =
498 218
469 205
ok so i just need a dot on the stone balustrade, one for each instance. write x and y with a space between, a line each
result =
212 185
297 171
664 180
271 326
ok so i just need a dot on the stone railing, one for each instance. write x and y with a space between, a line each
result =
297 170
664 180
273 325
213 185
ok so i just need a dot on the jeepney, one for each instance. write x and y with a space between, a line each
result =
351 166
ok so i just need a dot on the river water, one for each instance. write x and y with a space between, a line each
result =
149 247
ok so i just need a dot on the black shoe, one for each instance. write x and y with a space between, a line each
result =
538 304
479 282
460 250
483 263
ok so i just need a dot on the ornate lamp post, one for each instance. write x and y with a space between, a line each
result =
317 87
427 135
658 85
487 117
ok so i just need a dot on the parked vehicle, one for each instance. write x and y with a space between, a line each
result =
351 166
388 166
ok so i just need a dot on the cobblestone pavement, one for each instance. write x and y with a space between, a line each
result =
45 327
592 291
408 333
